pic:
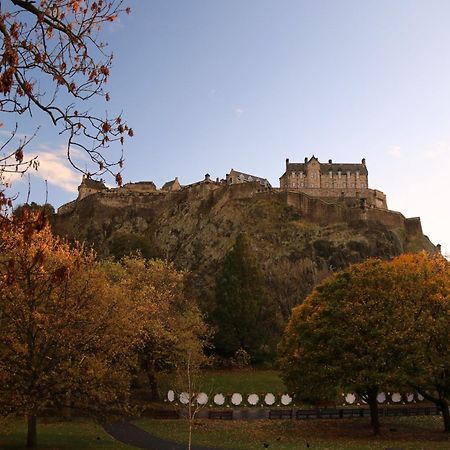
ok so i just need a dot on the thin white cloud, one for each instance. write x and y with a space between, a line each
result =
238 112
439 150
395 151
53 167
11 178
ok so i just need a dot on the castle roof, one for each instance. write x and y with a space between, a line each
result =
143 183
93 184
169 184
248 177
327 167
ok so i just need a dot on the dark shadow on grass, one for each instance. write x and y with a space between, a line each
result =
130 434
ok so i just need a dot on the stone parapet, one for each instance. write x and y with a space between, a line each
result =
372 197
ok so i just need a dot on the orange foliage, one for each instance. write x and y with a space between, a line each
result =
66 338
53 43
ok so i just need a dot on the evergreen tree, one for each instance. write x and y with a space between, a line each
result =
244 317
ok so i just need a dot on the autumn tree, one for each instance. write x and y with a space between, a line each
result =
244 315
54 63
350 335
171 323
423 283
64 335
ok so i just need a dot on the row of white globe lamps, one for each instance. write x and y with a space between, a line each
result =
236 399
285 399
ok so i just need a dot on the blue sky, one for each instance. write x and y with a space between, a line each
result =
213 85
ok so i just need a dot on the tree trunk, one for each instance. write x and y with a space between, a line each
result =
153 384
67 408
190 436
445 415
32 432
373 405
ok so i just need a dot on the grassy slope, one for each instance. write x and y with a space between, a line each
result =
76 435
243 381
400 433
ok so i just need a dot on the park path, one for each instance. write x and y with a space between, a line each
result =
130 434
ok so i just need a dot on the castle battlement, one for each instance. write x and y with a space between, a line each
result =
332 182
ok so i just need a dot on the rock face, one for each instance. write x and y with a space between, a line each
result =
298 239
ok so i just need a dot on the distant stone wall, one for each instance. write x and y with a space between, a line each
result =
327 212
324 211
142 186
413 225
373 198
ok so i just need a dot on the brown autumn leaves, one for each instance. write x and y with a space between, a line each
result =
52 62
75 332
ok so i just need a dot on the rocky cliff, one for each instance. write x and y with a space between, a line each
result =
298 239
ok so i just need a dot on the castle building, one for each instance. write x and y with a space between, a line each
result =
235 177
331 180
171 186
140 186
90 186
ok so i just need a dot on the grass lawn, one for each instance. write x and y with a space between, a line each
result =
243 381
403 433
54 435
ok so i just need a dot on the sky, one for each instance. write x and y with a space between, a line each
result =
212 85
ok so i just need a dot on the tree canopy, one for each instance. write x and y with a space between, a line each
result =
65 337
424 284
171 323
244 316
355 331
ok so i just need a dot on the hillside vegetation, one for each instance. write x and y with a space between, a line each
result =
297 244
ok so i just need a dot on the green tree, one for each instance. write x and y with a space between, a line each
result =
349 335
244 315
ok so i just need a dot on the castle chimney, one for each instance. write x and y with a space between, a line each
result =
330 161
363 161
306 160
207 177
287 163
439 248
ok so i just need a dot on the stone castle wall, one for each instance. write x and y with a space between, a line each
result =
373 198
326 212
346 208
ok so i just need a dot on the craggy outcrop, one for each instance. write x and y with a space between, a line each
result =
298 239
